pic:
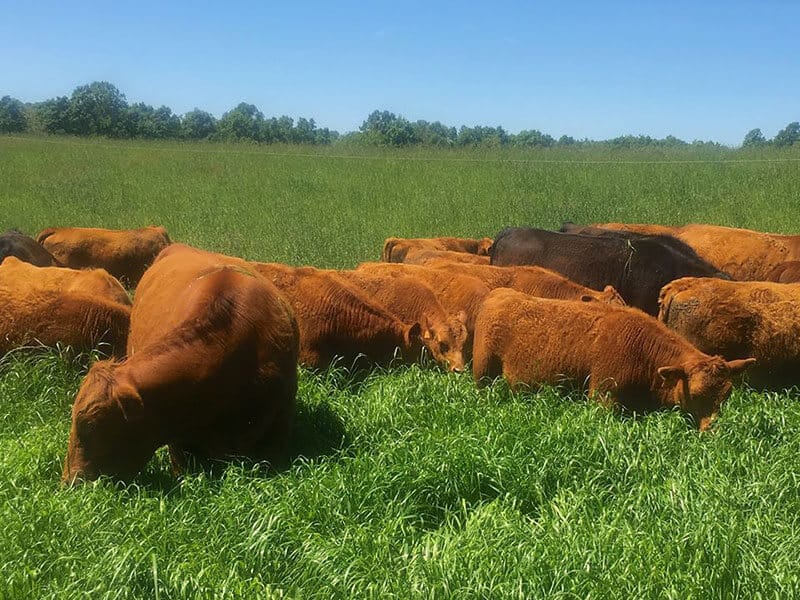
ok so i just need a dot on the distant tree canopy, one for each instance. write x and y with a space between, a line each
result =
99 108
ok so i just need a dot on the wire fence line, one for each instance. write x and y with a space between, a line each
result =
255 152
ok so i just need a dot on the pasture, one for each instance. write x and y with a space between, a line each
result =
407 482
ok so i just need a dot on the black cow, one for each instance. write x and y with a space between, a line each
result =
638 267
15 243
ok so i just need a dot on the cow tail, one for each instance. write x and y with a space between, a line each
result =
43 235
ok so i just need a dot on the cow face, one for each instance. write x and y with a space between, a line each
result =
700 387
446 342
109 435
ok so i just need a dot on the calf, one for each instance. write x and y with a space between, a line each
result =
738 319
125 253
396 249
337 319
211 371
621 354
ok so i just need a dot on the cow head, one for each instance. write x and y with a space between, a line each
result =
700 387
484 245
110 432
446 342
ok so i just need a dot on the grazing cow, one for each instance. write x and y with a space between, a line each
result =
745 254
738 319
454 291
413 301
211 372
125 253
25 248
337 319
637 268
785 272
32 314
625 356
421 257
395 249
534 281
94 282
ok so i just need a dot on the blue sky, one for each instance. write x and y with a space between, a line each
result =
707 70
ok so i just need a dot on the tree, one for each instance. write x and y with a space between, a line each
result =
566 140
788 136
533 138
245 122
144 121
12 115
754 138
388 129
98 108
198 125
52 116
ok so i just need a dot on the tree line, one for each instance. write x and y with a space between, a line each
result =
100 109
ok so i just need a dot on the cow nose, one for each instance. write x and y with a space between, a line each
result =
455 369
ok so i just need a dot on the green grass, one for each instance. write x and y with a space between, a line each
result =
410 483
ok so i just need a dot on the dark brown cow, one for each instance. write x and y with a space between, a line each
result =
738 319
413 301
25 248
745 254
211 372
125 253
337 320
94 282
34 310
535 281
395 249
623 355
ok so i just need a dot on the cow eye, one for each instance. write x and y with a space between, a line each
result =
444 347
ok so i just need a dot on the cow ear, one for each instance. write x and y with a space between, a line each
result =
414 333
129 402
671 375
587 298
738 366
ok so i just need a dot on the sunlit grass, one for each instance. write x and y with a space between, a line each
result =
407 482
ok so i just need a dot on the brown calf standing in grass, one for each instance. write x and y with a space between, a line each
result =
211 371
124 253
395 249
738 319
337 319
620 353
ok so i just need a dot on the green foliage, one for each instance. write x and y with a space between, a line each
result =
52 116
12 115
788 136
533 138
98 108
144 121
385 128
754 139
245 122
198 125
406 482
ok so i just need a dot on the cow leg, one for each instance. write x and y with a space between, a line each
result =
486 366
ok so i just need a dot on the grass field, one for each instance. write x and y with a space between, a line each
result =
409 483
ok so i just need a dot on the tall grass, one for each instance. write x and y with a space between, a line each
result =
409 483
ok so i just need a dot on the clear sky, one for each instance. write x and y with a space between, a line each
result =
697 70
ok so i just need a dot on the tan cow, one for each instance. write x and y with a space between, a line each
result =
621 354
94 282
31 315
535 281
413 301
744 254
738 319
417 256
395 249
124 253
337 320
211 372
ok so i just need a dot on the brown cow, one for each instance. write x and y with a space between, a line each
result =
535 281
211 371
454 291
738 319
413 301
622 354
337 319
33 315
785 272
395 249
744 254
94 282
417 256
125 253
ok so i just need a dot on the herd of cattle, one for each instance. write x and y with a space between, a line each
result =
205 358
